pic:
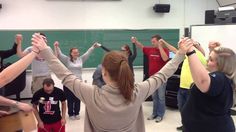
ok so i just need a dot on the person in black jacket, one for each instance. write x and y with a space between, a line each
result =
7 53
131 56
10 73
97 75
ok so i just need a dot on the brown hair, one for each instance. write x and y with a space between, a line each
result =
116 64
71 58
226 62
127 48
157 36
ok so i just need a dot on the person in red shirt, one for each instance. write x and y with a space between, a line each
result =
157 56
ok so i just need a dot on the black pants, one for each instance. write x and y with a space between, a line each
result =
73 103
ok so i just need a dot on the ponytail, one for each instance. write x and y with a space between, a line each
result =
119 71
126 80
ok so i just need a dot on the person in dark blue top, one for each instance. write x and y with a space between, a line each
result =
97 77
211 97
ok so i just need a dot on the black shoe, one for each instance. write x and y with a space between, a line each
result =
180 128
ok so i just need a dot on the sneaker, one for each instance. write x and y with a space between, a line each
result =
71 117
152 117
180 128
77 117
158 119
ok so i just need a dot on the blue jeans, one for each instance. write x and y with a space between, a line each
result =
159 104
182 97
73 103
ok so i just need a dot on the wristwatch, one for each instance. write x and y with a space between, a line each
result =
190 53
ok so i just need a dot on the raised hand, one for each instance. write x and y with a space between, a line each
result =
133 40
56 44
161 43
96 45
38 41
185 45
196 44
213 44
18 38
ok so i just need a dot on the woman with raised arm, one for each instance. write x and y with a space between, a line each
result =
208 106
117 106
74 62
131 56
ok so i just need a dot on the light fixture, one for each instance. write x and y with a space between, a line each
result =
227 8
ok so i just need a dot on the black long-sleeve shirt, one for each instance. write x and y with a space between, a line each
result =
132 57
7 53
105 48
97 75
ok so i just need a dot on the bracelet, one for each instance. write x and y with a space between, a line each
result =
35 51
190 53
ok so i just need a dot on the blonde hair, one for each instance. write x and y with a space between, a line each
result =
226 62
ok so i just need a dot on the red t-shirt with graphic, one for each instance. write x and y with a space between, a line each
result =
155 62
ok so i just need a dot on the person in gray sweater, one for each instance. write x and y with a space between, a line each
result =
117 106
74 62
40 70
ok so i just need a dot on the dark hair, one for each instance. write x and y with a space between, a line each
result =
43 34
48 81
116 64
127 48
71 58
157 36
